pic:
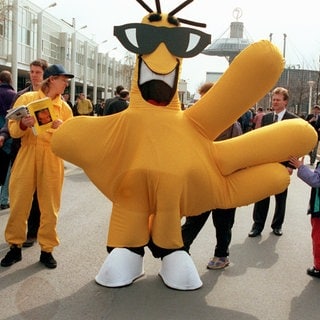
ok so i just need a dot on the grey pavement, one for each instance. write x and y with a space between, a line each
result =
266 278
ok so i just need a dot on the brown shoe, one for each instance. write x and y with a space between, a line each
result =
218 263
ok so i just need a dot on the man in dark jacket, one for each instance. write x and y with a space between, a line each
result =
119 104
280 98
314 119
108 101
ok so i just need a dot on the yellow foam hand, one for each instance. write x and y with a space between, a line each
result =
251 75
161 161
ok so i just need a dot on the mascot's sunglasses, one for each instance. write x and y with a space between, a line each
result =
144 39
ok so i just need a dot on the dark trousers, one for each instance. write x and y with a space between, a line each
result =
4 165
261 208
313 153
223 220
34 218
156 251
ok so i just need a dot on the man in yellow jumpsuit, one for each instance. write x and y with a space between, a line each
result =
37 168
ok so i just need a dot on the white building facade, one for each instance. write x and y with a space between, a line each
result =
28 32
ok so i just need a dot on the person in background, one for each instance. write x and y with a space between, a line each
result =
84 106
7 94
256 122
36 167
223 219
280 99
119 104
75 106
314 120
246 121
108 101
4 162
66 98
98 108
4 169
312 178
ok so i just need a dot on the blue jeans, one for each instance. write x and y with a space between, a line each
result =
4 194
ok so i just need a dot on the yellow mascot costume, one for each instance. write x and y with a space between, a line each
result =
157 163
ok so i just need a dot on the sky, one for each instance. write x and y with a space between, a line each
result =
298 20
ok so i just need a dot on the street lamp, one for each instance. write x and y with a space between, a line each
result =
85 68
40 27
270 37
270 100
14 48
182 90
310 83
107 73
95 82
73 60
284 44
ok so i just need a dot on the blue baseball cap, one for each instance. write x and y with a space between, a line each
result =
56 70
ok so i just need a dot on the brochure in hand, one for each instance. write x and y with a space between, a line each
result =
17 113
41 109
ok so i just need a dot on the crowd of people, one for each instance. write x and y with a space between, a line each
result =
35 203
83 105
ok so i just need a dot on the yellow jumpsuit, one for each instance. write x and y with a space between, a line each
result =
36 167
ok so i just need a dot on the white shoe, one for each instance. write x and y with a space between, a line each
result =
179 272
120 268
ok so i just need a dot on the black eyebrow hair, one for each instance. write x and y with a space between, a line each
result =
155 17
158 6
192 23
171 19
144 5
180 7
